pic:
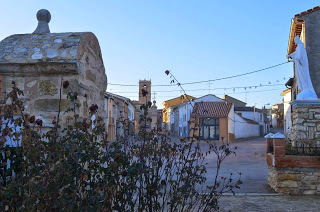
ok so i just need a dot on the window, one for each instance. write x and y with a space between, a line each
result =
209 129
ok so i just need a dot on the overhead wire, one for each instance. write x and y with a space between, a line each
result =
205 89
204 81
222 93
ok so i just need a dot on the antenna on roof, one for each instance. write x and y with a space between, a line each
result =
154 96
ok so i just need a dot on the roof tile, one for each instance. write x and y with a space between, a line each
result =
211 109
308 11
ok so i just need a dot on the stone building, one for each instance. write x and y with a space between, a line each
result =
306 114
167 111
120 120
39 63
294 166
144 98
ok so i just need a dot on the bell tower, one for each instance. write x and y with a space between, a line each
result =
144 85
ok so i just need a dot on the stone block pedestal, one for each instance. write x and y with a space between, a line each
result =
305 120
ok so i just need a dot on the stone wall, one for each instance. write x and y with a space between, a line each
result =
305 120
292 174
295 181
39 63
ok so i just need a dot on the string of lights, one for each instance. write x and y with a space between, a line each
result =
219 93
205 89
206 81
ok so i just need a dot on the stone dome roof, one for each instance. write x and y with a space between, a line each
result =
34 48
46 49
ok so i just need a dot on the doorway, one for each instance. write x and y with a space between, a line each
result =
209 129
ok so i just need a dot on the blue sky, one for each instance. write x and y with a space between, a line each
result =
196 40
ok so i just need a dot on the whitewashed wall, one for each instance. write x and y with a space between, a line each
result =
244 129
287 114
257 116
231 121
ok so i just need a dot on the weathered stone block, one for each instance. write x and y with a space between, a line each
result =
317 116
309 192
32 83
299 127
51 105
306 185
47 87
301 135
288 184
316 110
303 115
316 174
289 177
298 120
310 124
90 76
310 178
311 115
318 127
311 132
302 109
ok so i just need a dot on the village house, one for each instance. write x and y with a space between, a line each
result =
120 119
39 63
287 125
243 121
277 116
256 115
212 121
168 112
249 121
236 102
185 110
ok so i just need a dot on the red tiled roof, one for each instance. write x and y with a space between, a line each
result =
308 11
211 109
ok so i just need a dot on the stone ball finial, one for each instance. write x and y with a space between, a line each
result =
154 102
44 18
44 15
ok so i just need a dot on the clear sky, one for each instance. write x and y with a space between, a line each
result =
196 39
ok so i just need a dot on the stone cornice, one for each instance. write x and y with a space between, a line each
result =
39 69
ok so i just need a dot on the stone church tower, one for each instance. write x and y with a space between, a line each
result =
152 112
146 85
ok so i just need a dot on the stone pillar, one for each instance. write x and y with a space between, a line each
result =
305 119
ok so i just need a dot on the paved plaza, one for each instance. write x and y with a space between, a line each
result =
263 203
250 160
255 194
